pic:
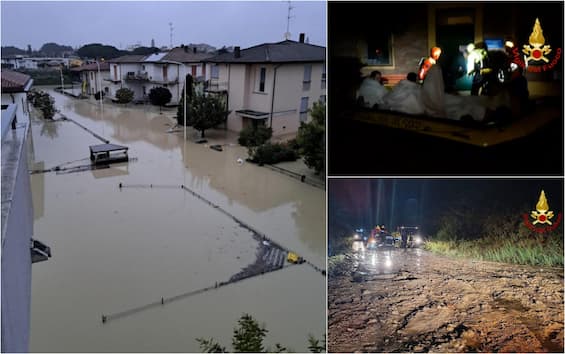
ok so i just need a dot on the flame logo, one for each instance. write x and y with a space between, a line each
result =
542 205
542 214
536 38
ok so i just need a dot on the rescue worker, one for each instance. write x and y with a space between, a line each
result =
425 66
404 236
477 66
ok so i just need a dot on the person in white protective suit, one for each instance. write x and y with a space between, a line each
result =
405 97
372 91
439 104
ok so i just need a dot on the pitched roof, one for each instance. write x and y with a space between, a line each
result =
13 81
179 54
128 59
282 52
105 66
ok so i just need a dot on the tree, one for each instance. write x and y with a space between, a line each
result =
11 50
205 112
160 96
124 95
315 346
145 50
54 49
97 50
44 102
311 138
249 336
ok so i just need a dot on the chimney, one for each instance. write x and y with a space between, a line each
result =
301 39
237 52
194 50
185 49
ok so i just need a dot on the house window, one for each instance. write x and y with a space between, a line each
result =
91 75
323 86
144 91
193 70
307 77
115 73
323 99
143 67
379 49
303 109
262 77
215 72
165 73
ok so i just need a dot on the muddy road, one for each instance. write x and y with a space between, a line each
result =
411 300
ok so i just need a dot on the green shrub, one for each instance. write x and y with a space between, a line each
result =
42 101
311 138
254 136
124 95
271 153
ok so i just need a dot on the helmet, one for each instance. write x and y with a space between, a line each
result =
435 52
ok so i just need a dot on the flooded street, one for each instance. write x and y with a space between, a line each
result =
413 301
114 249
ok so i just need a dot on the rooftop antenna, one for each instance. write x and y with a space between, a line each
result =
171 30
288 17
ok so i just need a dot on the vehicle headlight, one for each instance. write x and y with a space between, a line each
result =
418 239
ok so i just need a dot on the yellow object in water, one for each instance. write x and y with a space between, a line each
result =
293 257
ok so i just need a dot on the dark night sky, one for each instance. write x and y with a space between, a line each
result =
355 199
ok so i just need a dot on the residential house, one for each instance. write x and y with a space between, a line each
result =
119 68
15 86
163 69
11 61
274 84
94 77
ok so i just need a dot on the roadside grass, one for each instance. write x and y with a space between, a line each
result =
520 248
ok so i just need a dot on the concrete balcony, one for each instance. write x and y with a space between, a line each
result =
140 76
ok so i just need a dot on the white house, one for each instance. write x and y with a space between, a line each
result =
273 84
119 68
165 69
92 79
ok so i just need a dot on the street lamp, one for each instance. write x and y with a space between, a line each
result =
62 83
100 85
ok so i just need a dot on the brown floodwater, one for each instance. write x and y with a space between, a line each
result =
114 249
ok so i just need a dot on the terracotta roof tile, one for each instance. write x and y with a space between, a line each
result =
13 81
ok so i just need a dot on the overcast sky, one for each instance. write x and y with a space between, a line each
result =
123 23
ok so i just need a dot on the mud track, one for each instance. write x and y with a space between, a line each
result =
427 303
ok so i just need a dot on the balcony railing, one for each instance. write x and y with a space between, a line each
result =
164 81
215 86
139 76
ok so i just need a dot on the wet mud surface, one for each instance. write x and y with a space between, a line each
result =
400 301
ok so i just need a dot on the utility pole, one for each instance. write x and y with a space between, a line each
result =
171 34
